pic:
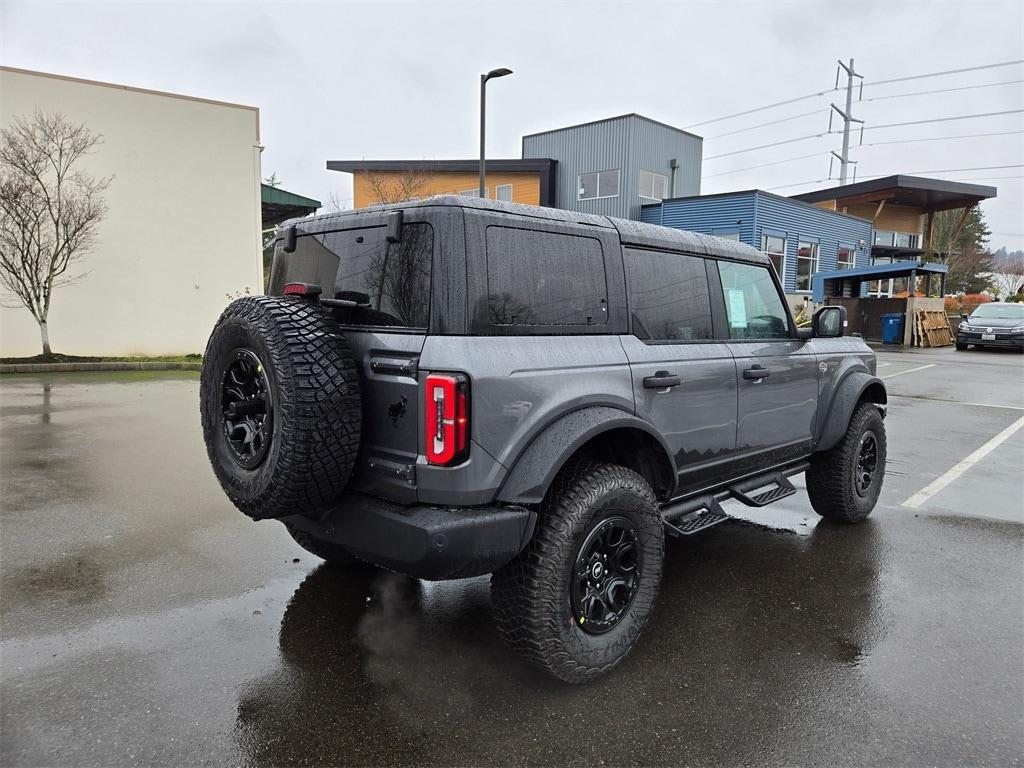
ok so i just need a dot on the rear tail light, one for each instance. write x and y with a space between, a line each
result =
447 418
306 290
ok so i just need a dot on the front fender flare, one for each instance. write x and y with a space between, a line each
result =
538 465
845 397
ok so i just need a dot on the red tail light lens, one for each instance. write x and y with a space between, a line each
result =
447 418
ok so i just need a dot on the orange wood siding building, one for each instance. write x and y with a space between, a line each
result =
530 181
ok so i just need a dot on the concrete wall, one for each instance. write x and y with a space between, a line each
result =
183 225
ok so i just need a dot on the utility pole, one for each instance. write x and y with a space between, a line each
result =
844 158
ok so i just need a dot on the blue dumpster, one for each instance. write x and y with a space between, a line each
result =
892 328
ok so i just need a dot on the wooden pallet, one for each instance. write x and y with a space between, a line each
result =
931 328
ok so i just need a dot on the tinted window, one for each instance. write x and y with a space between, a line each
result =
395 277
543 278
668 296
752 303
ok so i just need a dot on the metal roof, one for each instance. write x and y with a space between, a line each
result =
874 272
279 205
930 194
610 119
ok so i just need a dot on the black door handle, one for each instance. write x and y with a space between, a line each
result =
756 373
661 380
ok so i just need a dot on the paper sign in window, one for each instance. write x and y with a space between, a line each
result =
737 308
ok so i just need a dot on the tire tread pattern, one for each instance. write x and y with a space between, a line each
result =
318 405
528 613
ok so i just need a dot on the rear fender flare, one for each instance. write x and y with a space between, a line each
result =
542 460
854 387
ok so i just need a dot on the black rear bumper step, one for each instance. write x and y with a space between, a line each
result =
687 517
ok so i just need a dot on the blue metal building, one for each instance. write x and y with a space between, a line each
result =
800 239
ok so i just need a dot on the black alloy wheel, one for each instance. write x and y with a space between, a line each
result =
605 575
866 463
246 408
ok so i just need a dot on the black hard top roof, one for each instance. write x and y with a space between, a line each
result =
630 232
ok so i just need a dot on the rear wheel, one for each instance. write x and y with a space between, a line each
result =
844 483
577 598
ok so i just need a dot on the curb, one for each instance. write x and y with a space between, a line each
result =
75 367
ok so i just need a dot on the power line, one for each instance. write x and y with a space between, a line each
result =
943 90
773 144
762 125
906 173
945 72
943 119
761 109
765 165
941 138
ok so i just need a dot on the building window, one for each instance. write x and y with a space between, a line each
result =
591 186
653 186
897 239
774 247
504 192
846 257
726 234
806 264
475 192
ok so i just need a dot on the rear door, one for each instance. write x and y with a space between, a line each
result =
684 381
776 373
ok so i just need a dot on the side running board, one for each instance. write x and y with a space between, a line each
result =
685 518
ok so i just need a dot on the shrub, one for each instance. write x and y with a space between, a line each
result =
952 305
1017 298
970 301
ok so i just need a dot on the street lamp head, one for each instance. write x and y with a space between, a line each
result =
500 72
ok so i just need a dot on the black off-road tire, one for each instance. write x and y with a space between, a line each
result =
325 550
961 347
832 477
531 596
314 403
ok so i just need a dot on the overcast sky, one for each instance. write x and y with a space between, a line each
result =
388 80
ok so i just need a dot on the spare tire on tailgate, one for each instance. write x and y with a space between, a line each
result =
280 406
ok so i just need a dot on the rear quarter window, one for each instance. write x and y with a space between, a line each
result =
545 279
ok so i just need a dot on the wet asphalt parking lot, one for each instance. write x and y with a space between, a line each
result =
145 621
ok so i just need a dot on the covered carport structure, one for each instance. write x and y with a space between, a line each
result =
864 313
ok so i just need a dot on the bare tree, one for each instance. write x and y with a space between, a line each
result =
397 187
49 210
1008 276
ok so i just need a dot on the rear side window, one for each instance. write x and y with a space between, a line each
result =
752 303
545 278
668 296
394 277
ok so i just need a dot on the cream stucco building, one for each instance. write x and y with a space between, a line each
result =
183 227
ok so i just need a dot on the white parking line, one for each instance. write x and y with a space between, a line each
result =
953 473
882 365
959 402
909 370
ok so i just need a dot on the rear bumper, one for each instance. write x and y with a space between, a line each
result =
425 542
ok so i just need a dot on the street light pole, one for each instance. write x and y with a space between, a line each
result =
501 72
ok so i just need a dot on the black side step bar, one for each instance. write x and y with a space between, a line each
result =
687 517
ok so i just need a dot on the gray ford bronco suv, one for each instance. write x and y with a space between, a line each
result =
454 387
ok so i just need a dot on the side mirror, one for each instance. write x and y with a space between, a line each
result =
964 315
829 322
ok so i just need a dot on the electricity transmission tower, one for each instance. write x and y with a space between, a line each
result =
844 158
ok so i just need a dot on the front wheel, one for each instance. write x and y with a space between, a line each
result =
575 601
844 482
960 346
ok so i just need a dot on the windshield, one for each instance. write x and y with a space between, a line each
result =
1004 311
